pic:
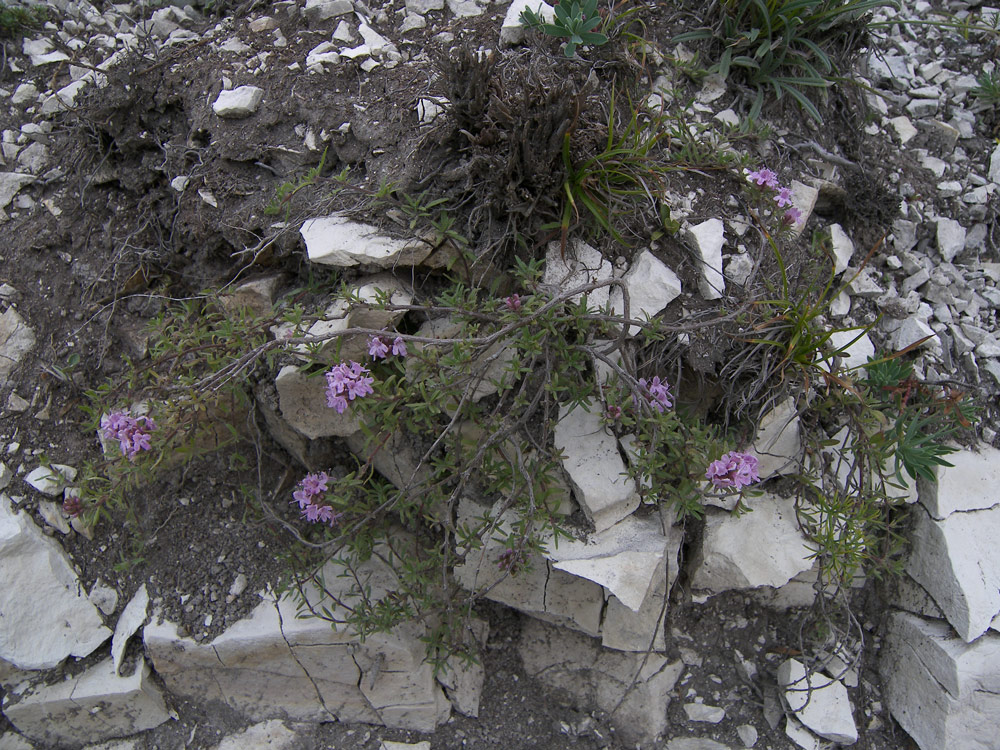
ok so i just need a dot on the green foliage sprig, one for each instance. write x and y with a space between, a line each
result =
576 24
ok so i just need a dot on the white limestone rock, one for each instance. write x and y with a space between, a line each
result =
254 297
955 561
51 480
42 52
45 615
804 198
302 400
93 706
634 687
843 248
337 241
623 559
704 713
994 173
913 330
16 340
534 587
239 102
732 557
595 467
854 349
971 483
463 684
317 11
511 31
103 597
10 184
707 239
651 287
266 735
945 693
276 665
581 265
819 702
778 446
132 618
950 238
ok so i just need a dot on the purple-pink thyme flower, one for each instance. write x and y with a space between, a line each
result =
378 349
657 393
311 487
347 381
767 178
734 470
132 433
513 302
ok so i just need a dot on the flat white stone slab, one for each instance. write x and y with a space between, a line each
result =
91 707
337 241
733 557
819 702
956 561
972 483
595 467
45 614
651 287
944 692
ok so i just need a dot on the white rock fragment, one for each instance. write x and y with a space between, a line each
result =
41 52
103 597
511 30
624 559
818 702
428 109
275 665
955 561
16 340
302 400
994 173
53 516
337 241
950 238
390 745
651 287
970 483
913 330
707 240
854 348
45 616
777 445
51 480
265 735
25 93
90 707
582 265
239 102
317 11
804 198
904 129
595 467
10 184
747 734
132 618
634 687
703 713
732 556
843 248
943 692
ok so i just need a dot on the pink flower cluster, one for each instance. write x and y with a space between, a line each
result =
378 349
311 487
657 392
347 381
734 470
132 433
768 179
513 302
